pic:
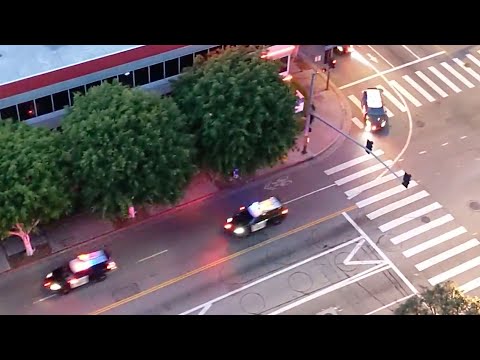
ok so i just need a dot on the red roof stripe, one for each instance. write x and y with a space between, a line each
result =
85 68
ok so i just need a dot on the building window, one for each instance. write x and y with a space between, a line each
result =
141 76
44 105
77 90
126 79
9 113
203 53
186 61
110 79
60 100
26 110
157 72
92 84
171 68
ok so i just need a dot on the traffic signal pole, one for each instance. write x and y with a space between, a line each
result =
368 150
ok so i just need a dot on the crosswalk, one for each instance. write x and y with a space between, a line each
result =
424 232
433 83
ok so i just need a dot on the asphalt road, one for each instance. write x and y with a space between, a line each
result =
190 238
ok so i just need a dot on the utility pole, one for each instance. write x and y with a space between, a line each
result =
308 114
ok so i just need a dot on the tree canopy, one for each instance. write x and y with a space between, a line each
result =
126 148
239 109
442 299
33 186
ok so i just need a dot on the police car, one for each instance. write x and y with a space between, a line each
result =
80 271
374 113
256 216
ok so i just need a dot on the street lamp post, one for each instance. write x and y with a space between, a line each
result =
308 114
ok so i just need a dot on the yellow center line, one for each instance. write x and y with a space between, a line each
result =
218 262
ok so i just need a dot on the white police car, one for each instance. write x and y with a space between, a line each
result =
80 271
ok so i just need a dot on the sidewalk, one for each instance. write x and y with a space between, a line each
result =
330 105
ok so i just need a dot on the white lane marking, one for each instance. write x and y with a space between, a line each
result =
392 98
151 256
381 56
398 204
470 264
409 217
45 298
205 309
349 281
463 137
380 73
348 260
381 253
467 69
445 144
471 285
357 122
434 242
459 76
447 254
353 162
385 194
405 93
421 229
442 77
430 83
355 101
410 51
310 193
391 304
363 172
389 113
473 59
417 87
371 184
271 276
422 152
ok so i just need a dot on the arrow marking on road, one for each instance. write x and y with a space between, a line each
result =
372 58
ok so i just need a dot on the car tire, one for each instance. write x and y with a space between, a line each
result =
101 278
65 290
277 221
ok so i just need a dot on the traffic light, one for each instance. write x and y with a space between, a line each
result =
369 146
406 180
332 63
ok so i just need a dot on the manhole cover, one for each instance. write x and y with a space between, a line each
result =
467 64
419 123
425 219
252 303
474 205
300 281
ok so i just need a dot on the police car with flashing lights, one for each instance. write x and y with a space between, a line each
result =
374 113
256 216
83 269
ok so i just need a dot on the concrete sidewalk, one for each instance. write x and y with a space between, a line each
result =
331 105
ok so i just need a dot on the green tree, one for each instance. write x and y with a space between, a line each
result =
33 187
442 299
127 148
238 108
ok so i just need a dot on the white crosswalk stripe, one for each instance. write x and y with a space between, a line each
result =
398 204
405 93
457 75
355 101
358 123
392 99
442 77
409 217
473 59
467 69
362 173
438 248
417 87
430 83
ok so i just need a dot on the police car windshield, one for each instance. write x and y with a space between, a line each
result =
243 217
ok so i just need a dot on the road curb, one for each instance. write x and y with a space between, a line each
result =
345 127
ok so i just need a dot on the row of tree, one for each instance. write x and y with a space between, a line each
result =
120 148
